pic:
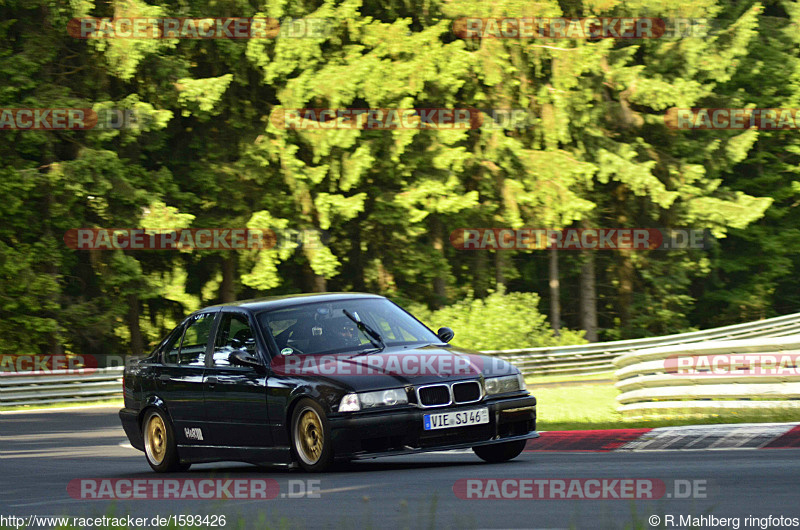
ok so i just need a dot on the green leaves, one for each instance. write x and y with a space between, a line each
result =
202 96
497 322
208 150
330 205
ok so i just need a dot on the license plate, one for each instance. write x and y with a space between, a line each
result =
461 418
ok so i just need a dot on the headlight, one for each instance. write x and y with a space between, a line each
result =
367 400
349 403
504 385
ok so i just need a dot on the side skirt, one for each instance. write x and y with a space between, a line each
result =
197 454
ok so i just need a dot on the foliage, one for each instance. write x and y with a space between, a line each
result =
501 321
209 151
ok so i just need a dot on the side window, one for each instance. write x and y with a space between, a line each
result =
234 334
172 345
195 340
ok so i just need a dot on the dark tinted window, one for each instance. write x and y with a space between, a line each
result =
195 340
171 347
234 334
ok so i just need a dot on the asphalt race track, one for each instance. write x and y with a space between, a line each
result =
42 452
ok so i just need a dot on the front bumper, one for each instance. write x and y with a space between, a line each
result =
394 432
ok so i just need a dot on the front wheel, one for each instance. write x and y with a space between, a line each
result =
159 444
311 436
501 452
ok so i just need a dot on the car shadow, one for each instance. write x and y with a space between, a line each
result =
394 463
360 466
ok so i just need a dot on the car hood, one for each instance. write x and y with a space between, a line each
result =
395 367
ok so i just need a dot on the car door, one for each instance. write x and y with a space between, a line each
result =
235 396
180 379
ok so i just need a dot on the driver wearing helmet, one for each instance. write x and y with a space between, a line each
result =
345 333
333 334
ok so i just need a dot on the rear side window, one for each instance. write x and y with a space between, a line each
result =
234 334
195 340
171 348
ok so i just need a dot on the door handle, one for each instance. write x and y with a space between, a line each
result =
211 381
164 378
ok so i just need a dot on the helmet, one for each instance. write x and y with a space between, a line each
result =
345 331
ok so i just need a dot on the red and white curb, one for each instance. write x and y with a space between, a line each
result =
690 437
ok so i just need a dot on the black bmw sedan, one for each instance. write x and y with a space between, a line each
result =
316 378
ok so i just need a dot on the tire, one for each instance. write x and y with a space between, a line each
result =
501 452
160 449
311 437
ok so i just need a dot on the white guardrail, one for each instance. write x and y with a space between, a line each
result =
598 357
36 388
747 374
60 386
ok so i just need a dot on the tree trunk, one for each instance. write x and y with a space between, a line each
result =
440 280
386 283
555 295
137 342
227 289
54 345
499 268
315 283
357 258
479 266
320 283
589 296
625 269
625 291
54 340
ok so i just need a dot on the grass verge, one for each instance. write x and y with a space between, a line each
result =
539 379
594 406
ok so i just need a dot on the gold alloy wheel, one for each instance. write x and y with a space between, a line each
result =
156 439
309 436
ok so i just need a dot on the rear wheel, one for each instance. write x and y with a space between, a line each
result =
501 452
311 436
159 444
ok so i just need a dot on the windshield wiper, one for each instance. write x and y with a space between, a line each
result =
373 336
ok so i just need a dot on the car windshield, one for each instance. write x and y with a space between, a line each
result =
325 328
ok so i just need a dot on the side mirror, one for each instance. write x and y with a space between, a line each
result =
445 334
243 358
